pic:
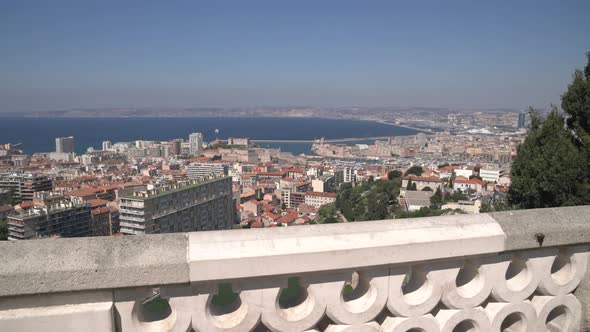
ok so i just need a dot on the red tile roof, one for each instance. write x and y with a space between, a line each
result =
289 217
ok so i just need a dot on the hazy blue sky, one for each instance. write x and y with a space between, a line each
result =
483 54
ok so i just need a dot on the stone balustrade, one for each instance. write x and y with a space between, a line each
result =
507 271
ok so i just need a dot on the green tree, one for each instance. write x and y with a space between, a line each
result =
409 185
416 170
576 104
394 175
436 200
3 230
549 170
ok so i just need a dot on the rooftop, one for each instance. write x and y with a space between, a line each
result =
169 189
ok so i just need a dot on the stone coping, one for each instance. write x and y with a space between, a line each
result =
62 265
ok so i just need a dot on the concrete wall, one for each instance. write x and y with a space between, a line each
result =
513 271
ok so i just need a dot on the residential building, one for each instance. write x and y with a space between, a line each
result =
244 141
201 170
107 145
465 172
65 145
464 184
51 215
195 141
292 199
105 221
324 184
195 205
23 185
253 206
521 120
317 199
422 182
489 174
349 175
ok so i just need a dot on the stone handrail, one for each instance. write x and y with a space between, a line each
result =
505 271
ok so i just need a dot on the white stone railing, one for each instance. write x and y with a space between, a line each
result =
509 271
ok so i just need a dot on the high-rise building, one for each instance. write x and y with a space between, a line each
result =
24 185
65 145
107 145
201 170
521 120
349 175
51 214
195 141
180 207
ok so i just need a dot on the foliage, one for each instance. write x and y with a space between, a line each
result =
576 104
3 230
326 214
416 170
423 212
410 185
368 201
551 168
455 197
394 175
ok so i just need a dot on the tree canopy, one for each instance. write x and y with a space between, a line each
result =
416 170
551 168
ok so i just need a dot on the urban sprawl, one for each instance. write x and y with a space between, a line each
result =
146 187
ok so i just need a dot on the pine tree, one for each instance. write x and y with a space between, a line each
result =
549 169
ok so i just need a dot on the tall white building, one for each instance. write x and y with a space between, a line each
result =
490 174
106 145
349 175
201 170
65 145
195 141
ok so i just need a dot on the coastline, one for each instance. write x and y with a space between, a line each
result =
422 130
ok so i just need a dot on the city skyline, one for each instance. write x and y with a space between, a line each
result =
459 54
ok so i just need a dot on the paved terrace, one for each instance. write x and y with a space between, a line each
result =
507 271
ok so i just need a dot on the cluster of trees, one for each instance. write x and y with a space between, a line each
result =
377 200
371 200
552 166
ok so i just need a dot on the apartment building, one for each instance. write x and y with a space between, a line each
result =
24 185
317 199
195 205
201 170
51 215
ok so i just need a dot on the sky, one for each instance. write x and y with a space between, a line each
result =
457 54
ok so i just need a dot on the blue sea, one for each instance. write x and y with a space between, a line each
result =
38 134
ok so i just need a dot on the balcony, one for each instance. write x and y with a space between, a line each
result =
506 271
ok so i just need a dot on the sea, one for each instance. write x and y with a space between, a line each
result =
38 134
